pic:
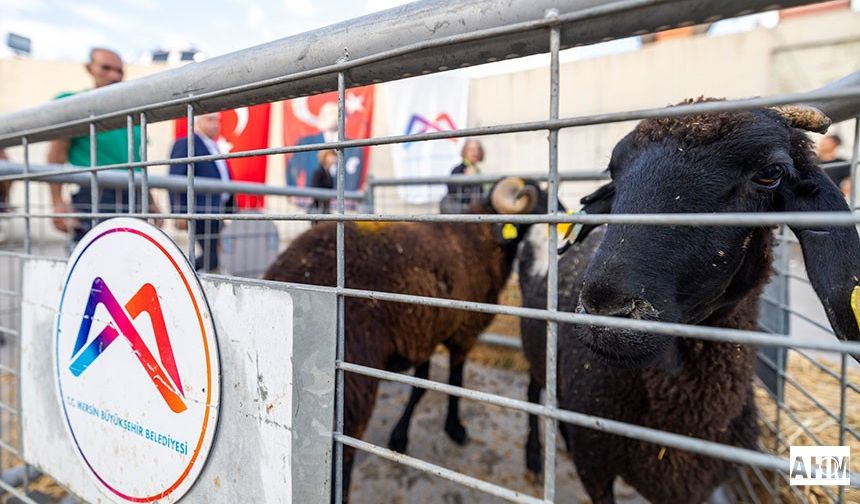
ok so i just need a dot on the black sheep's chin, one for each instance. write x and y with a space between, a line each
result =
623 348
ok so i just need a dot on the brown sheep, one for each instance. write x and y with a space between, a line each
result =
469 262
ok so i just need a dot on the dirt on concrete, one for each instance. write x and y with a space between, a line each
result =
494 451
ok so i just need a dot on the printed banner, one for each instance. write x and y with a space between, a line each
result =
313 119
242 129
419 105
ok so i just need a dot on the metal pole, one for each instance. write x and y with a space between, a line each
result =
27 249
855 158
94 181
144 179
341 283
843 380
781 354
371 197
130 131
190 192
843 376
27 238
550 402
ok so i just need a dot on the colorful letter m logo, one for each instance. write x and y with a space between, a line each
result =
145 300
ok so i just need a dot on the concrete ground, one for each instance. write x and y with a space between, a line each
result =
495 451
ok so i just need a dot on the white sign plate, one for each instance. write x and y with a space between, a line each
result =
136 363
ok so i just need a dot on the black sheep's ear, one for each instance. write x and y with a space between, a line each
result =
831 254
598 202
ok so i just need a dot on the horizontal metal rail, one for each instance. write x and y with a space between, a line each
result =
307 63
115 179
500 340
467 481
764 219
826 370
568 176
718 334
549 124
788 274
809 320
808 395
694 445
18 494
11 449
8 409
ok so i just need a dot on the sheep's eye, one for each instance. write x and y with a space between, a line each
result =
769 176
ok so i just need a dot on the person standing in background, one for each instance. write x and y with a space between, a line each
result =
461 196
106 68
827 152
207 232
323 178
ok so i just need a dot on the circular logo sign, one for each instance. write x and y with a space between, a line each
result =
136 361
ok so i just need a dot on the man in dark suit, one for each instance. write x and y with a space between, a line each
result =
207 232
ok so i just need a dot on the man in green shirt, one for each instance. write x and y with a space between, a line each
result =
106 68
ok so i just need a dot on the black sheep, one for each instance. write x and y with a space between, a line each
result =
469 262
751 161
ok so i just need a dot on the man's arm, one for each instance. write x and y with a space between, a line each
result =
58 153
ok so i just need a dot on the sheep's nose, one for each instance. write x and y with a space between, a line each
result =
604 300
609 311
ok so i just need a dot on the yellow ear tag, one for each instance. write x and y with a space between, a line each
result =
570 230
564 228
509 231
855 304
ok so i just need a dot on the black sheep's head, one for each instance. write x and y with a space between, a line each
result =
751 161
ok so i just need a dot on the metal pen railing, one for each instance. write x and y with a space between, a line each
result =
551 30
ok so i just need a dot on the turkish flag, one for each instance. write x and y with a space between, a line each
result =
313 119
242 129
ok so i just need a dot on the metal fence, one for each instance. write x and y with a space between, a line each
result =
347 55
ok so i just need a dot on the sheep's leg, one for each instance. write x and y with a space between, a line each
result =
534 457
453 427
400 434
600 490
595 463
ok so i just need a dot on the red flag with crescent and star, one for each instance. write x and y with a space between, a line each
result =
313 119
244 128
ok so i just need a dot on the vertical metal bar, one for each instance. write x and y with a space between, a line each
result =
855 158
843 382
94 179
144 179
190 199
843 376
341 282
781 354
550 402
130 130
27 241
371 187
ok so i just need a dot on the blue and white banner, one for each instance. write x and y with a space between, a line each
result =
419 105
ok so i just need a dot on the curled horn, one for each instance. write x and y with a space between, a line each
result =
804 117
512 196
